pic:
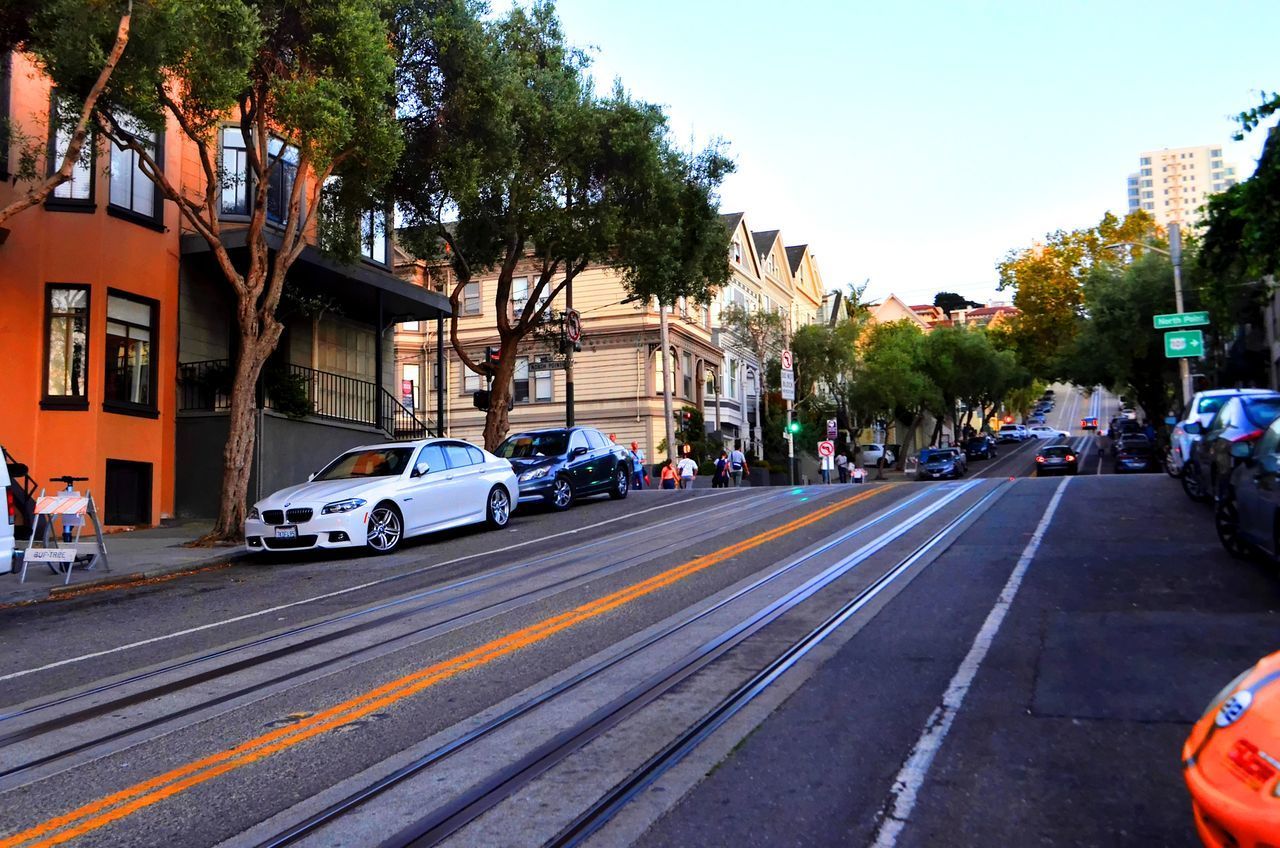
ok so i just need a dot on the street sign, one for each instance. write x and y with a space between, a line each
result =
831 428
826 448
63 555
788 385
1180 319
573 326
548 365
786 360
1183 343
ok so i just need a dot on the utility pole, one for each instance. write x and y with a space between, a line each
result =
666 379
1175 255
568 360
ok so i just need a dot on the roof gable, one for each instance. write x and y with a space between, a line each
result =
736 222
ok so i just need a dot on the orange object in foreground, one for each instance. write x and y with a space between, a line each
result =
1231 762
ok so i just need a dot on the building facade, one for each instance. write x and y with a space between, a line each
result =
1174 184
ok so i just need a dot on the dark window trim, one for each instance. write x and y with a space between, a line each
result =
154 221
124 407
6 74
387 218
67 204
65 402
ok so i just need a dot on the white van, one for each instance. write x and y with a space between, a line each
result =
7 521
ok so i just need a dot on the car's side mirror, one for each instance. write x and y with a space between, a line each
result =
574 453
1193 428
421 469
1241 450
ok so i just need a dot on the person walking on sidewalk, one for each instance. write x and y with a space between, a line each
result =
737 466
670 478
637 466
828 465
688 471
842 467
721 478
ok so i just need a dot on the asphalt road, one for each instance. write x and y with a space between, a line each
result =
494 687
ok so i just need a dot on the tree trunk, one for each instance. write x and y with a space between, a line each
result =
497 420
237 454
936 438
908 444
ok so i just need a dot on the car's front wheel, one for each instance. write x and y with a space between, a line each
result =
1191 483
1226 520
498 510
386 528
621 483
561 497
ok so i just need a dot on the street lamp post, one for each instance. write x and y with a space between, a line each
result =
1175 256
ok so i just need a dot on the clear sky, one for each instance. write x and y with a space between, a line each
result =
916 143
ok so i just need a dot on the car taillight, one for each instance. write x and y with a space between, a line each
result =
1071 457
1251 436
8 496
1039 459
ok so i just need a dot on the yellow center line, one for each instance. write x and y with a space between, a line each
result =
118 805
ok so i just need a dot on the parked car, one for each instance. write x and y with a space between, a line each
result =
1242 419
1227 765
380 495
1044 431
1247 516
1012 433
940 463
10 517
564 464
1034 419
1203 406
1056 459
980 447
1134 452
869 455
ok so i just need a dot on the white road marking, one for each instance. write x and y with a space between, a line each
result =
910 779
179 633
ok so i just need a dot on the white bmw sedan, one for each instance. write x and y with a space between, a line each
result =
379 495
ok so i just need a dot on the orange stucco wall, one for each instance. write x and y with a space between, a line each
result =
101 251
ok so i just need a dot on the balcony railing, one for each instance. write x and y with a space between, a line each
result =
300 391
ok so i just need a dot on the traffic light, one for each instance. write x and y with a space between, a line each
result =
492 355
793 427
686 417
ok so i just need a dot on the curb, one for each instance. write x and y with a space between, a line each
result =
21 595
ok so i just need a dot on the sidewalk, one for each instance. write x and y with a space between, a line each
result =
135 555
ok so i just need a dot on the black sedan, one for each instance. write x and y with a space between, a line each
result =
1248 512
980 447
564 464
1056 459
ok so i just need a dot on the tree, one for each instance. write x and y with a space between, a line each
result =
891 383
1047 279
319 74
824 358
512 158
949 302
26 26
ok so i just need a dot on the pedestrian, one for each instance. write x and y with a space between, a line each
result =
827 464
721 478
688 471
737 466
669 475
637 466
842 466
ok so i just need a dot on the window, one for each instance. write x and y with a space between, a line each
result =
66 364
477 458
130 375
78 189
457 456
731 385
131 191
1216 152
471 299
471 381
1146 183
542 383
409 326
577 440
596 439
1146 160
539 382
520 294
687 372
235 172
737 251
1146 172
373 236
433 456
283 174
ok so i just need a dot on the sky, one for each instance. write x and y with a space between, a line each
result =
914 144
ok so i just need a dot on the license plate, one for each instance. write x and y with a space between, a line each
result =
286 532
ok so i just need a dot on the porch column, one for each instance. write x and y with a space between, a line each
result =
441 375
377 365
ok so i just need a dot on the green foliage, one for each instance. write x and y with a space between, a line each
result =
891 382
824 358
1250 119
949 302
287 392
1242 236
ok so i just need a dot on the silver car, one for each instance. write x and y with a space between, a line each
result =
1204 405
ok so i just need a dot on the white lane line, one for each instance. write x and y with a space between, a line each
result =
211 625
911 778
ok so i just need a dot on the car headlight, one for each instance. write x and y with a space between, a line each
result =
253 515
535 474
342 506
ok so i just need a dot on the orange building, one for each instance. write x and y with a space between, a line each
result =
117 329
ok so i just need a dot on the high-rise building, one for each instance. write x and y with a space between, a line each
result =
1174 184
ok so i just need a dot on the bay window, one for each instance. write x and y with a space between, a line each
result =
66 361
78 189
131 191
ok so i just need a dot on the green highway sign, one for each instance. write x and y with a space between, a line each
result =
1184 343
1181 319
